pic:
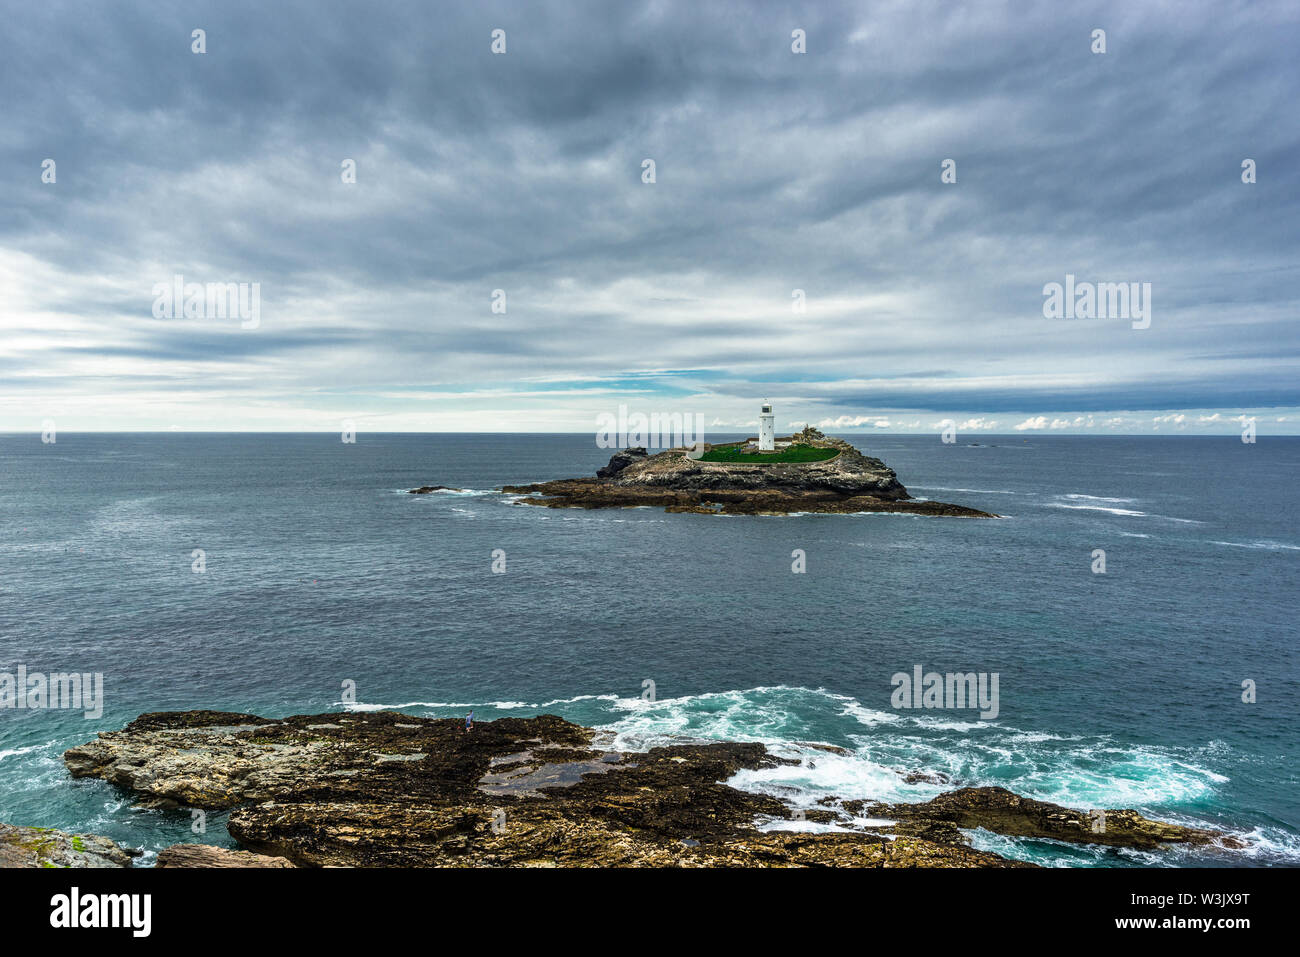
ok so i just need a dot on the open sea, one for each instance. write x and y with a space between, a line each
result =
1121 689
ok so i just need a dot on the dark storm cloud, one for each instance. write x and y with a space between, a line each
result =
775 172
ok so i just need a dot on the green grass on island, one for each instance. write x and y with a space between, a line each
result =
791 453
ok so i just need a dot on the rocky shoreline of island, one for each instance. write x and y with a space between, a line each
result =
691 480
386 789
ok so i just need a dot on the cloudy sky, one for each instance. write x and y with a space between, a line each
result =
774 171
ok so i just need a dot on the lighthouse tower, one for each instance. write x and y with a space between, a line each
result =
766 429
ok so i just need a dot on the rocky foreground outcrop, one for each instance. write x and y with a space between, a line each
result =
679 482
388 789
46 847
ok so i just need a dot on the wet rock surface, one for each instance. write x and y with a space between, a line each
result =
324 790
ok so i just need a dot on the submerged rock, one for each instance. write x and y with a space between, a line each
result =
46 847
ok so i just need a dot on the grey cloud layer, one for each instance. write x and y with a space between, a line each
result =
775 172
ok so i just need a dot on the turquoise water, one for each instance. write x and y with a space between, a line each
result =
1116 690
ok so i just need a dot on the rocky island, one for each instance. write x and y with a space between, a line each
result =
391 790
805 472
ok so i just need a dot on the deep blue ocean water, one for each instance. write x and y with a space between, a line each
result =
1116 690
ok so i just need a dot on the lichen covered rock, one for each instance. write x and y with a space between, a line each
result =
46 847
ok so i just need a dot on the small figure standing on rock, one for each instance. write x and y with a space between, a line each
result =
469 721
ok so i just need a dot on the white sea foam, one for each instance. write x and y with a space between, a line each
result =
1112 510
498 705
1072 770
1097 508
869 716
904 514
432 705
577 698
14 752
1269 546
979 491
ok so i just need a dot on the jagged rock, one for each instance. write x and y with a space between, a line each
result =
46 847
925 777
513 792
621 460
808 435
940 832
819 746
206 855
1004 812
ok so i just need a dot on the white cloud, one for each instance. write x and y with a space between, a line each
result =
853 422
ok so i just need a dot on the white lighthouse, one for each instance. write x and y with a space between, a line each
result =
766 429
